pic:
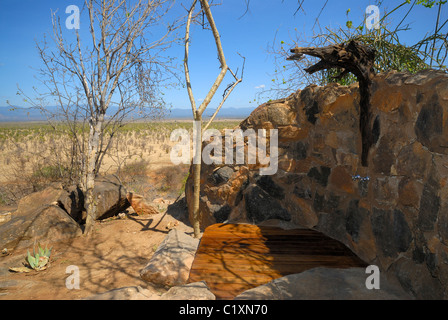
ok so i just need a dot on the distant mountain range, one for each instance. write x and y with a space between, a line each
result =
224 113
24 115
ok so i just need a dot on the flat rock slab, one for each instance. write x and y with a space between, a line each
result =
325 284
171 263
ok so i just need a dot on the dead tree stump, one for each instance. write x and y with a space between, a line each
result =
348 57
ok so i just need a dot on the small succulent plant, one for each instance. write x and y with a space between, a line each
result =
39 259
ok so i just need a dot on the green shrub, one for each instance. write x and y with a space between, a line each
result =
51 172
429 51
184 182
39 260
132 171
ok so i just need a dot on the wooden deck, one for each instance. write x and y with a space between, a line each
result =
233 258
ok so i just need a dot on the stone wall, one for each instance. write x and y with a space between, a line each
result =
393 213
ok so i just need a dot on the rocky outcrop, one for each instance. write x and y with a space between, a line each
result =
55 214
73 202
392 213
38 218
110 197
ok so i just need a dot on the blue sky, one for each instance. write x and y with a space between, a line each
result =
25 21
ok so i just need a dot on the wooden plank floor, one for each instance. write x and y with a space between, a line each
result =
233 258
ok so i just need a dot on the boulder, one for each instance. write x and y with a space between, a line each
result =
171 263
46 224
110 197
73 202
139 204
39 218
325 284
37 200
5 217
221 175
54 213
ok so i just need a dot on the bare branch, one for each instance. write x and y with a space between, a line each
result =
187 71
227 93
222 60
359 60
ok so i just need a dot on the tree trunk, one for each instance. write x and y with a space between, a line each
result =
351 57
197 112
93 149
196 198
197 161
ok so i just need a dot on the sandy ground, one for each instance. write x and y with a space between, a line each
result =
111 257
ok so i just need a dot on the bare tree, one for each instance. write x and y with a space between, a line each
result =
198 111
101 82
359 60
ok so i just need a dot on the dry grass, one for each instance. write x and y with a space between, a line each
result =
34 155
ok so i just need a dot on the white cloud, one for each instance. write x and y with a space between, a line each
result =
261 86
